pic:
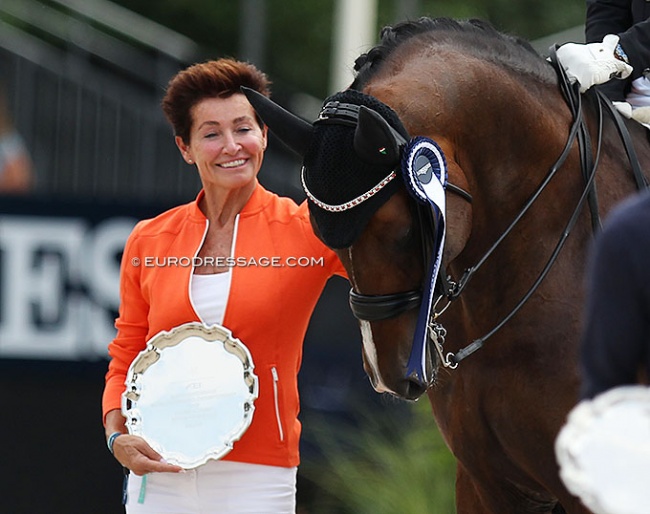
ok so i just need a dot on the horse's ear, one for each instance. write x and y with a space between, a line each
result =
293 131
375 141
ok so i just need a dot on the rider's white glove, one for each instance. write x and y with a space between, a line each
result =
593 63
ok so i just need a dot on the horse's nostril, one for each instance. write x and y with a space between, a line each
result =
414 389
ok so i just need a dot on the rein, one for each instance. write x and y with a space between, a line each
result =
588 165
452 360
380 307
376 307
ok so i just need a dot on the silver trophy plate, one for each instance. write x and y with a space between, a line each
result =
190 394
604 451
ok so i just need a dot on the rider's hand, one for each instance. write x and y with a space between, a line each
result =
593 63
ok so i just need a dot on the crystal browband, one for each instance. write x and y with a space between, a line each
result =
352 203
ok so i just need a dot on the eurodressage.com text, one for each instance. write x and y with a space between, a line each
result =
228 262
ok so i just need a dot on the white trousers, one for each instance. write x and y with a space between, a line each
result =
217 487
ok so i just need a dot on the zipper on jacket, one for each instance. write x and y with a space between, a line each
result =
189 284
276 379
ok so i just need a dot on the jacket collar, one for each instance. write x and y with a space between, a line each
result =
256 203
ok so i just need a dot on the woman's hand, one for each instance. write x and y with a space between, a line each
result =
133 452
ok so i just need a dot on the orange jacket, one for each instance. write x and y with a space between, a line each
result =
268 308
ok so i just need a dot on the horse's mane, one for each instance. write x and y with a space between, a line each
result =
475 36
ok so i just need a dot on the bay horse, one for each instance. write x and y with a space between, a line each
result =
528 169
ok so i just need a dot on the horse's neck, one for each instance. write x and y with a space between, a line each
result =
501 127
515 133
506 158
505 143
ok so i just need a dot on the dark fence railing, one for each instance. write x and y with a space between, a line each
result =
89 107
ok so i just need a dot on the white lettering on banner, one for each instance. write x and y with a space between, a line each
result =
59 285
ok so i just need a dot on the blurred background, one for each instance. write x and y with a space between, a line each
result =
85 152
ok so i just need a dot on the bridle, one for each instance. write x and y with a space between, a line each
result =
385 306
588 166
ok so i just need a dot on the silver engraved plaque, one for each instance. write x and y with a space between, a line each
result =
190 394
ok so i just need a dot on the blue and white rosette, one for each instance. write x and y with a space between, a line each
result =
425 174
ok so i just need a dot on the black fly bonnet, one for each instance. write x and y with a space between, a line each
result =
350 168
334 173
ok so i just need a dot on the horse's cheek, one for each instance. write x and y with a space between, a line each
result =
459 227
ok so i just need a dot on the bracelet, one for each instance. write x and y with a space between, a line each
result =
111 440
620 54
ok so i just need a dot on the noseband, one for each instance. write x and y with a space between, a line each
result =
383 306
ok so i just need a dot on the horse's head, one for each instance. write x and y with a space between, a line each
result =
438 75
360 206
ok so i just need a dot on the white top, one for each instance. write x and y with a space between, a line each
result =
210 296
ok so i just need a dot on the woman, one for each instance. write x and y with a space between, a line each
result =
266 307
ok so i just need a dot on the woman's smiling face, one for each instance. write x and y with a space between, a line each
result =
226 142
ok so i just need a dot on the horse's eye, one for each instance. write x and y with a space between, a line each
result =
403 237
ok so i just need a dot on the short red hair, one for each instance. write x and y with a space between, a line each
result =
221 78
